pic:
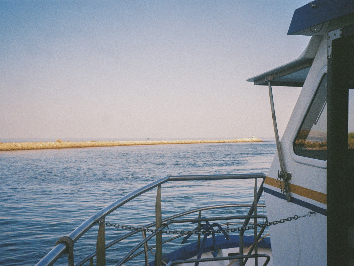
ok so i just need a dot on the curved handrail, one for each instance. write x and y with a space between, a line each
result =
60 249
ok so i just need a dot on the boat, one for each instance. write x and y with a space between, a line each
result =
308 189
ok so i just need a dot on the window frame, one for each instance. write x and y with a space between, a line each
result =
298 158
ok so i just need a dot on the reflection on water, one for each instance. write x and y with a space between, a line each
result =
46 194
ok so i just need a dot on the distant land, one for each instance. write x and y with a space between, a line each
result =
59 144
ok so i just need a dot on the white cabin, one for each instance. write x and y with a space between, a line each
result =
312 173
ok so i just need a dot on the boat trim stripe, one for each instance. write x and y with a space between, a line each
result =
296 201
301 191
298 190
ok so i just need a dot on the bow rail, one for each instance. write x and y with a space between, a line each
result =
99 218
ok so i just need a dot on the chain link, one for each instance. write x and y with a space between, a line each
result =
228 230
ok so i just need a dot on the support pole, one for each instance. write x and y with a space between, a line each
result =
283 175
158 255
339 198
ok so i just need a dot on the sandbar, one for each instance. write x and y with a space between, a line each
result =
59 144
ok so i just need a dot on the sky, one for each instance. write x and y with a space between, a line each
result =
90 70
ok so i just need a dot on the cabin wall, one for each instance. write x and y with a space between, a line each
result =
302 241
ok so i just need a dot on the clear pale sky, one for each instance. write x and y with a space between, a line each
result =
143 69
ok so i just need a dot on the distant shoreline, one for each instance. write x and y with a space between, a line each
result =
59 144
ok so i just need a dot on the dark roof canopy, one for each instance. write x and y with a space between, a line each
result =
307 17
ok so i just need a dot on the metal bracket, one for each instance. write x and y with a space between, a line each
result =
285 178
69 243
332 35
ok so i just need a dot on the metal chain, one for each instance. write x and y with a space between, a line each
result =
228 230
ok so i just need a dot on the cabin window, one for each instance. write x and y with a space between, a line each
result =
311 140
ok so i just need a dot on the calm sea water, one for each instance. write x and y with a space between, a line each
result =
46 194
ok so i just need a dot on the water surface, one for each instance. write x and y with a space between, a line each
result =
46 194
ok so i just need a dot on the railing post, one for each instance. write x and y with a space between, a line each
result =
241 246
69 243
199 227
158 255
143 231
100 246
255 238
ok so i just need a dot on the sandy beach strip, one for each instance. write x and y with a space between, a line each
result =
13 146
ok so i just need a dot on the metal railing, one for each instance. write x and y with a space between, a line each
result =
66 245
237 257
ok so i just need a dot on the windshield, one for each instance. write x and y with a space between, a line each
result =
311 140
